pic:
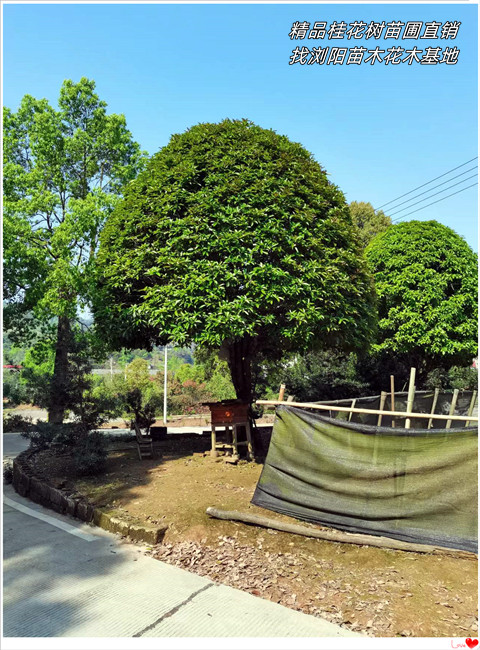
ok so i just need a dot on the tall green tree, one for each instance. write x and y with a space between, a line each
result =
426 282
63 172
370 222
233 238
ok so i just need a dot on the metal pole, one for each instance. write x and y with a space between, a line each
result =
165 389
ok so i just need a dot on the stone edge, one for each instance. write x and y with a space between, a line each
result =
26 484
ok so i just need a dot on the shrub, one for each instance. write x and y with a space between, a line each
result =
16 422
323 375
143 409
463 378
96 404
87 449
187 397
207 380
455 377
90 454
7 472
13 389
59 437
137 396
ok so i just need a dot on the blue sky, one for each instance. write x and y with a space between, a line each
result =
379 131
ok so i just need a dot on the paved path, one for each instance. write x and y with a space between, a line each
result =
63 578
13 444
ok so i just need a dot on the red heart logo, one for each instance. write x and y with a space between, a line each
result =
471 642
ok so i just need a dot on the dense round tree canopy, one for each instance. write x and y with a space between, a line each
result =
233 237
426 283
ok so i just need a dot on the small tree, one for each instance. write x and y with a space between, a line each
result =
235 239
426 282
370 222
63 172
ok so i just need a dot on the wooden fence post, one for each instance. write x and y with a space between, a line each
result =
411 396
452 407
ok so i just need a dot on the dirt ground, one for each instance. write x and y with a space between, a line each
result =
379 592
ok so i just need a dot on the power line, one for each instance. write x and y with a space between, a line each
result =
437 201
434 187
433 179
432 195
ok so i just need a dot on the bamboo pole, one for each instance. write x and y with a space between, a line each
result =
344 409
352 405
434 404
392 393
281 393
383 399
336 535
452 407
472 406
165 386
411 396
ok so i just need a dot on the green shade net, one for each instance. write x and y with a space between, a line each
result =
415 485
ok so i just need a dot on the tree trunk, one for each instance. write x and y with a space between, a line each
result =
240 364
59 385
333 535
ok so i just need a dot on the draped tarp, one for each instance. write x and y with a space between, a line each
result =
410 484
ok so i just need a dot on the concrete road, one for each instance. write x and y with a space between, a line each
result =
13 444
63 578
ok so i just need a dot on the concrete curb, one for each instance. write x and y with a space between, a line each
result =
27 484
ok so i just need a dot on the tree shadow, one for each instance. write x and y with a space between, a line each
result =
142 488
48 573
59 585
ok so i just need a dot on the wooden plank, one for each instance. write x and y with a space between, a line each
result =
349 409
472 406
411 395
434 404
336 535
452 407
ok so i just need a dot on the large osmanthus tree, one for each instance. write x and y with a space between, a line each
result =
426 282
63 172
233 238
